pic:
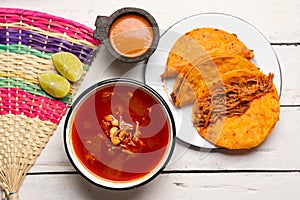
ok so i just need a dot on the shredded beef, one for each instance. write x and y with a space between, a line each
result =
232 99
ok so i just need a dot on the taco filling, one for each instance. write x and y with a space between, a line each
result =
232 99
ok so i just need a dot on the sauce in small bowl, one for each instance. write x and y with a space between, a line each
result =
119 134
129 34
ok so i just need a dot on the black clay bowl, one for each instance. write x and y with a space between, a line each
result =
106 27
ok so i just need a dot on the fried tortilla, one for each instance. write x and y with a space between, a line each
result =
239 114
194 83
199 45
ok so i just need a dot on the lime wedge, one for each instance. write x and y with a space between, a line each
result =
68 65
54 84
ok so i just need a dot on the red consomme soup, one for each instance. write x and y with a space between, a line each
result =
120 132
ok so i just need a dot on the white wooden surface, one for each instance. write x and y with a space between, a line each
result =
270 171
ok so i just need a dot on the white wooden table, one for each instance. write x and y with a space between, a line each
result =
270 171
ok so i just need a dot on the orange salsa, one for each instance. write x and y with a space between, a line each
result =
131 35
123 107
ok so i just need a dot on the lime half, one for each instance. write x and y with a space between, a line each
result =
54 84
68 65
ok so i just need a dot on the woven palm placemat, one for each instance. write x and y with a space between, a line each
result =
28 115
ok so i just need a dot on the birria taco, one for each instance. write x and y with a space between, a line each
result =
199 45
241 111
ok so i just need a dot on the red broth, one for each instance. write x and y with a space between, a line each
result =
94 148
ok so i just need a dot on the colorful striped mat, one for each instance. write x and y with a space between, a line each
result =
28 115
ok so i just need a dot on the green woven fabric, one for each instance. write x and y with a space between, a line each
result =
24 49
9 82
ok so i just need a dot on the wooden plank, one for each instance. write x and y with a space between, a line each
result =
278 152
289 60
278 20
170 186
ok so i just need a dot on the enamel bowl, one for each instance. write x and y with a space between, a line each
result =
119 134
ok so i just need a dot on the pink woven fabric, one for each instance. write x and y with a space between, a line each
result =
17 101
42 21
